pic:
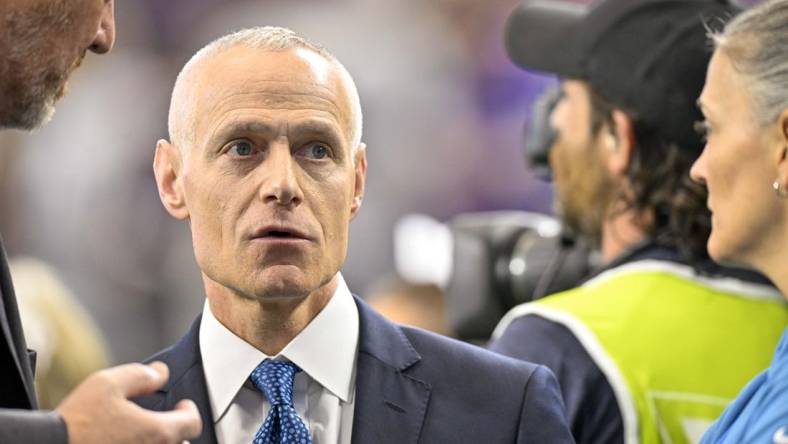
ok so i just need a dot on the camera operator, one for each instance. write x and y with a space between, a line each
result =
653 346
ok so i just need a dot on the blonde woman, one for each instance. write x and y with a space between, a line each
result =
745 167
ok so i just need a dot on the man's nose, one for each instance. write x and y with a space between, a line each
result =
105 36
280 185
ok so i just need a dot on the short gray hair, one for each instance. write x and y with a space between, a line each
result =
756 41
267 38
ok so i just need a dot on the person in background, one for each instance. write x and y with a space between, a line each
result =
744 166
265 162
652 347
41 43
68 344
416 305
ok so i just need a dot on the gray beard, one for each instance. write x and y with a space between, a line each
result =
29 107
28 83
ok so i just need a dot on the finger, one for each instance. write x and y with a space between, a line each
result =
160 368
184 421
138 379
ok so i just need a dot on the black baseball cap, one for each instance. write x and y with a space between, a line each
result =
647 57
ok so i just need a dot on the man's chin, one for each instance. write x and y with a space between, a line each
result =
36 107
61 92
283 282
46 114
32 116
42 105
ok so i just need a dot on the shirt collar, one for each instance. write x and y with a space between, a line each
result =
325 350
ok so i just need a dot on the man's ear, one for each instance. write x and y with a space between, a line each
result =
168 169
360 167
622 147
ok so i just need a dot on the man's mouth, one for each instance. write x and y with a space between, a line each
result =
280 232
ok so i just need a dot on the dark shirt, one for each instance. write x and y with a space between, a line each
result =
591 407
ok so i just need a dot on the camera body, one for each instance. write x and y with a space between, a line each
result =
503 259
487 263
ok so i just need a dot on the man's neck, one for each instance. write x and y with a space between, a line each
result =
621 230
268 325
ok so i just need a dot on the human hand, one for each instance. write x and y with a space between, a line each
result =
98 410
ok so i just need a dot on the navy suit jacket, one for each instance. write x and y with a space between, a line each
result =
411 387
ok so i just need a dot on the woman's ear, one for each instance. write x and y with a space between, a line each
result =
781 147
782 122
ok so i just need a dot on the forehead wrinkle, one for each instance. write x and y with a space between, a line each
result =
280 98
320 85
294 89
331 97
242 125
332 90
256 123
273 101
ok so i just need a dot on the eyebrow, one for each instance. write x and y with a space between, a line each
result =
313 127
709 114
242 127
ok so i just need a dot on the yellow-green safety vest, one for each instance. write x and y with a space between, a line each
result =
675 346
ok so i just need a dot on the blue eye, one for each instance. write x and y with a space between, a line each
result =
316 151
241 148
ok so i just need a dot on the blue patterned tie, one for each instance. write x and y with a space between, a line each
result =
282 426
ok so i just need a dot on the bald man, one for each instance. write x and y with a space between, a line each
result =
41 43
266 163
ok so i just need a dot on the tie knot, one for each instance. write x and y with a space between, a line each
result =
275 380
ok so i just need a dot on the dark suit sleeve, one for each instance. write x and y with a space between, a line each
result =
542 419
591 406
32 427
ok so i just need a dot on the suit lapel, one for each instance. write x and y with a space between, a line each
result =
192 386
390 404
187 381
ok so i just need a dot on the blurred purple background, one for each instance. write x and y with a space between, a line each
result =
444 114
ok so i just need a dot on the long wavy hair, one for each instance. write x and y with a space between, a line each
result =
661 185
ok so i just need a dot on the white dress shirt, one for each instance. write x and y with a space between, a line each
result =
323 392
